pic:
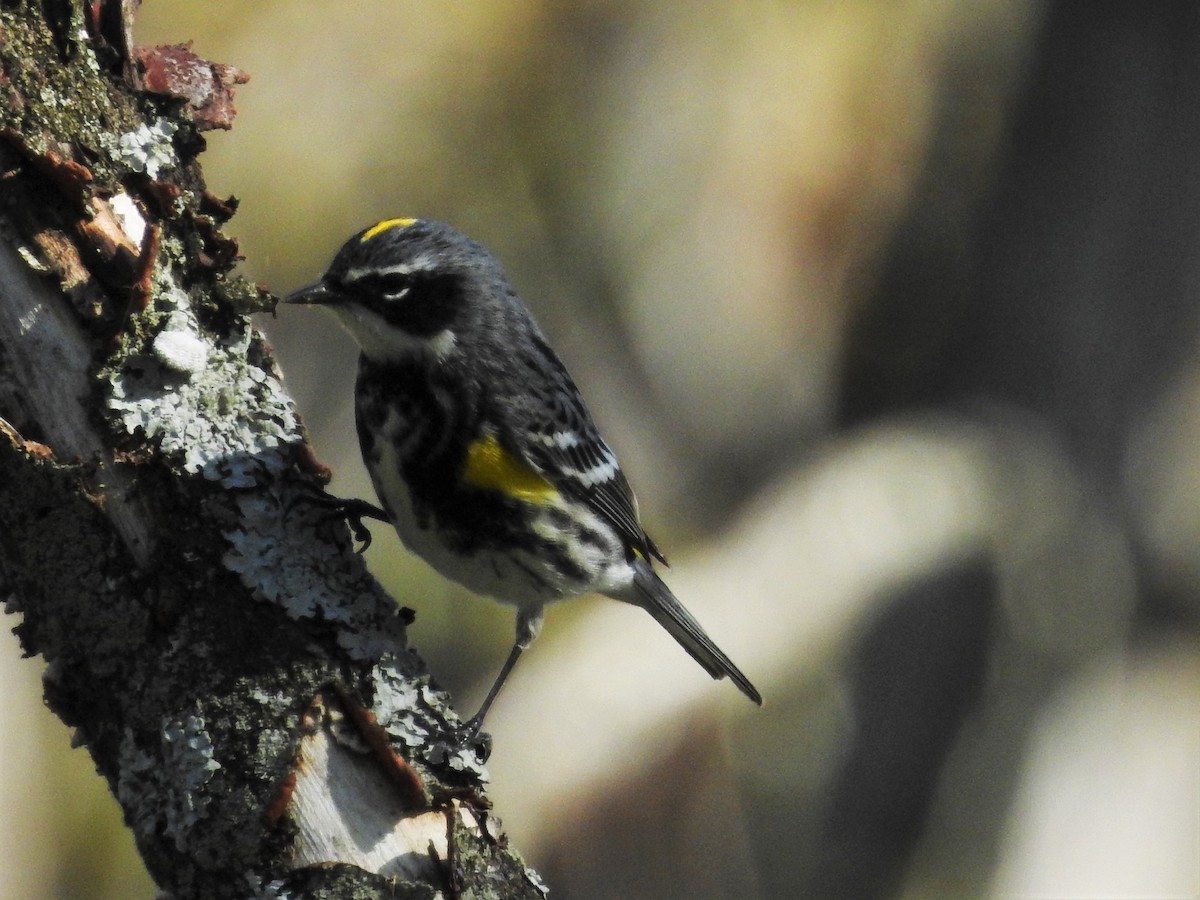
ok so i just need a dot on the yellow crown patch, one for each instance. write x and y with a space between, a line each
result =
386 225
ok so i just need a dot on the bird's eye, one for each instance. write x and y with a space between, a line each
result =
387 285
391 285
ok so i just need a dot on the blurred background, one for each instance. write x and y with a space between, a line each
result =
889 309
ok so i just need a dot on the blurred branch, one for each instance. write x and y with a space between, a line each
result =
238 677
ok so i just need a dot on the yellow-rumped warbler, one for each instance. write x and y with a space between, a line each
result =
480 447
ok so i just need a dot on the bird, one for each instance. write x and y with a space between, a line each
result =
479 445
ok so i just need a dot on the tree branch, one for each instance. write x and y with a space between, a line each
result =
239 678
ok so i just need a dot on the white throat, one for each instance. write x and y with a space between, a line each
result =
384 343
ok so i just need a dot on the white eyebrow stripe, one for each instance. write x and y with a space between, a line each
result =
423 263
356 274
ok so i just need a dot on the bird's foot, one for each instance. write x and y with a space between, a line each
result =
351 510
467 736
354 511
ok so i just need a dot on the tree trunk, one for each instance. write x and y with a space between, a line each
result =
239 678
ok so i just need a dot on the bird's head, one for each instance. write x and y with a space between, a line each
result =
406 288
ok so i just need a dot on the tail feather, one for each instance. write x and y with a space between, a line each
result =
656 598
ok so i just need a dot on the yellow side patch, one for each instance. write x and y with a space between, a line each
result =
493 468
386 225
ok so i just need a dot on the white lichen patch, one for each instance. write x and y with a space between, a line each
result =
204 404
179 347
83 41
536 880
167 789
148 148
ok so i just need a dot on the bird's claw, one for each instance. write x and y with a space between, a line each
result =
351 510
354 511
467 736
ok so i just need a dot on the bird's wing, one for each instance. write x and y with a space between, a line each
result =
558 438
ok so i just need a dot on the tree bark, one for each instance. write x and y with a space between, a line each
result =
239 678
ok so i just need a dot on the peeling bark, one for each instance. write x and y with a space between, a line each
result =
239 678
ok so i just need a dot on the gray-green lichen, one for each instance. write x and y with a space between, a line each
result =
165 788
283 548
404 707
494 873
202 401
147 148
348 882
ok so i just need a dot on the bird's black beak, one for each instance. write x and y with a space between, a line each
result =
315 293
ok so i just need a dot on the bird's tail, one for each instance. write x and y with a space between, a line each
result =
651 593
